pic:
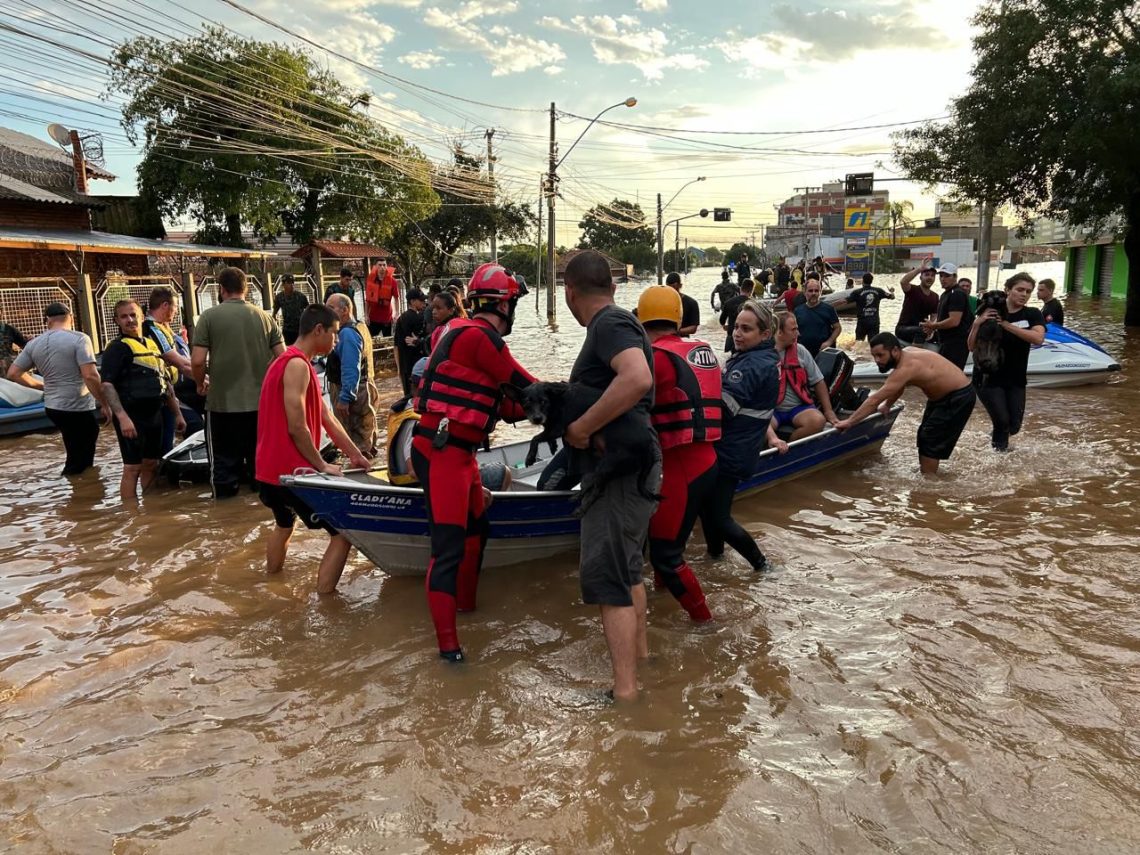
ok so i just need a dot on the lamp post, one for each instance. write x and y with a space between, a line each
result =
703 212
661 231
552 189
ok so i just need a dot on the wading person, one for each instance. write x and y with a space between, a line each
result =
954 318
12 341
292 413
381 298
616 360
1051 309
1002 392
819 325
687 416
690 308
743 271
724 291
137 387
866 301
459 402
919 303
731 309
950 396
233 344
350 373
750 391
289 303
71 385
162 305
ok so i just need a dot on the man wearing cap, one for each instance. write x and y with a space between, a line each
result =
919 303
71 384
954 318
290 303
690 308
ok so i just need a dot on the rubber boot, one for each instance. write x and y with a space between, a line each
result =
693 599
442 608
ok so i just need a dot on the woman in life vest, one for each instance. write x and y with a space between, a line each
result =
460 400
750 383
444 307
687 416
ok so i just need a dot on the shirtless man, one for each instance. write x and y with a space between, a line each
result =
949 392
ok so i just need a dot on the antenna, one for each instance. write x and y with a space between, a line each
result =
59 133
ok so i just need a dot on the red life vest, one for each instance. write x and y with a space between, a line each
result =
377 290
276 453
691 410
792 372
464 394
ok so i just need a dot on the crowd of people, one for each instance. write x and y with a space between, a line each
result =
706 425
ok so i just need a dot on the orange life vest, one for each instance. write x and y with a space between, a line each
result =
690 411
792 372
377 290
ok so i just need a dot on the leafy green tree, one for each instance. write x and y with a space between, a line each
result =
240 134
714 255
434 244
522 258
620 230
1048 124
739 249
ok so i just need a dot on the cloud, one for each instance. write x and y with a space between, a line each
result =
421 59
622 41
506 51
553 70
652 5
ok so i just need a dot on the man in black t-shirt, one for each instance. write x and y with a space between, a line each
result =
408 336
866 301
617 360
690 308
1051 309
783 277
743 271
730 310
954 318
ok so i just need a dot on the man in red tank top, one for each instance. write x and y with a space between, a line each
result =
687 415
291 413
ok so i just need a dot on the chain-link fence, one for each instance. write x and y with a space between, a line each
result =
114 288
22 301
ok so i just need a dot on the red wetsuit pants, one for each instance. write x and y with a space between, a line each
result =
689 475
458 527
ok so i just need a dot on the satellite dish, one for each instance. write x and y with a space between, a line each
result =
59 133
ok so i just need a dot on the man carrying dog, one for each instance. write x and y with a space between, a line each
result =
460 400
617 360
949 392
686 414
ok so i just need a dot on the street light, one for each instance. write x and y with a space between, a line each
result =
551 190
661 232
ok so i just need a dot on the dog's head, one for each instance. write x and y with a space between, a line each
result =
538 400
992 300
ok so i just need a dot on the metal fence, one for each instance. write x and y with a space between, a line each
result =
114 288
22 301
208 292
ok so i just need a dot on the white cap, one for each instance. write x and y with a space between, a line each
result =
948 268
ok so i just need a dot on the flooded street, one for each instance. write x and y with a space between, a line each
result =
945 666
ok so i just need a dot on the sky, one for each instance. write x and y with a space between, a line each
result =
759 98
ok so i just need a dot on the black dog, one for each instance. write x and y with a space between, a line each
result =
987 343
555 406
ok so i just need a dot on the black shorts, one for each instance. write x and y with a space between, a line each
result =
376 328
866 329
147 444
943 422
287 508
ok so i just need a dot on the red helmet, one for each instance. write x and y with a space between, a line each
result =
492 281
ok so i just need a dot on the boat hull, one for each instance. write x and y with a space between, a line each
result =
1065 359
388 524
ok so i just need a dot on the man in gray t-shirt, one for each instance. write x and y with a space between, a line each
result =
71 384
801 384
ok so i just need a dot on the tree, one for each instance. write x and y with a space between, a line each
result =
244 134
619 229
1048 124
894 222
713 255
432 244
523 258
739 249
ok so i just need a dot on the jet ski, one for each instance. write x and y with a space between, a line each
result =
1065 359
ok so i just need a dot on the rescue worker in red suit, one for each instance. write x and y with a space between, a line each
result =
460 401
687 415
381 298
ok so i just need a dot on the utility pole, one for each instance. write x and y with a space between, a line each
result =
551 189
491 178
686 256
660 246
985 226
677 245
538 249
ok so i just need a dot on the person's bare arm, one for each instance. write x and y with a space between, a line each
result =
1033 335
173 357
198 366
633 380
824 400
125 424
341 439
836 329
888 393
773 438
907 281
24 377
295 383
94 384
950 322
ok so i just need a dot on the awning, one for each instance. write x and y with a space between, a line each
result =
341 249
64 240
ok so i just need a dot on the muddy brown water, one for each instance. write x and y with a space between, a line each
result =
943 666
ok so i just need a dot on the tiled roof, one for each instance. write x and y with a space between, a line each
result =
342 249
